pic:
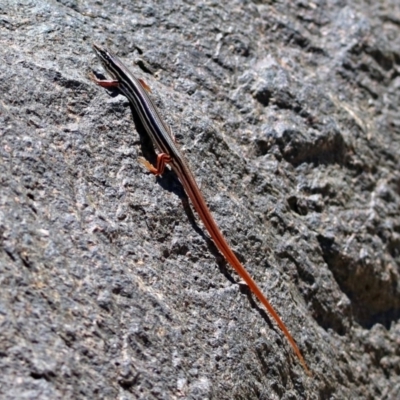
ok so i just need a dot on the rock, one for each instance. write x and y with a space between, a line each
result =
288 114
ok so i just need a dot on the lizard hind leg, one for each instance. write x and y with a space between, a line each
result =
162 160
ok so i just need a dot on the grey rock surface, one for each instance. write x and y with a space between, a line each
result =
288 113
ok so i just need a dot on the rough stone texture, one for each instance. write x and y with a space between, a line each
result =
288 112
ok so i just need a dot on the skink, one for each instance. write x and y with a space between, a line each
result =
136 92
